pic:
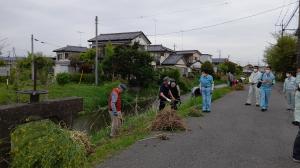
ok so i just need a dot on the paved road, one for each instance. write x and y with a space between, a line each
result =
232 136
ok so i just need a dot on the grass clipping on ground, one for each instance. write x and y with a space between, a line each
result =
168 120
194 112
45 144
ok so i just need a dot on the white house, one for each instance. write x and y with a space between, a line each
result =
62 62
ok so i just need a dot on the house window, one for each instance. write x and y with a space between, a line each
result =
66 55
59 56
162 54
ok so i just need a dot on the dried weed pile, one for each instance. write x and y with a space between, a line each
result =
83 139
168 120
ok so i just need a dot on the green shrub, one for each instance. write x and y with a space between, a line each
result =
63 78
86 78
44 144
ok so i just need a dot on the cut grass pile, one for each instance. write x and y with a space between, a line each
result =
168 120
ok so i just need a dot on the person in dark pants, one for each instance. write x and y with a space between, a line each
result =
296 150
175 90
165 94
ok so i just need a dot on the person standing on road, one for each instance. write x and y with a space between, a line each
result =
267 80
165 94
296 149
115 109
175 90
207 87
230 79
253 90
297 100
289 89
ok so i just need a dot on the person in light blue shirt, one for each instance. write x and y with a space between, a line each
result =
297 100
207 87
267 80
289 89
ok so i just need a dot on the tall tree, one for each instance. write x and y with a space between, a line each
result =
208 67
282 56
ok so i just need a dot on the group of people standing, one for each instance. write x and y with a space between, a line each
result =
261 84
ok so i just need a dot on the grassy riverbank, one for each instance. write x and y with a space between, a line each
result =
134 129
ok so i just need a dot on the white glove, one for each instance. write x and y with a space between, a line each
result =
169 100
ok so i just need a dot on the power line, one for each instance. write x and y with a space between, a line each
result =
226 22
167 13
289 21
280 13
287 11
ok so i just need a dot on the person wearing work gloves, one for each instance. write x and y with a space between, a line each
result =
289 89
115 108
175 90
267 81
253 90
207 87
165 94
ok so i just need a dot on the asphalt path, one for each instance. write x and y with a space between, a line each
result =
231 136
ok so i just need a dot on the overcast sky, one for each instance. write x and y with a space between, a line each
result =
57 22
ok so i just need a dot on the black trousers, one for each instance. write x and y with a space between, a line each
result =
162 104
296 150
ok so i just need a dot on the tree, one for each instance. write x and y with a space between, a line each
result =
129 62
74 61
43 64
88 59
208 66
282 56
228 67
106 66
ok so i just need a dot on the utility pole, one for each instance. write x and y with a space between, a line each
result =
32 58
298 42
96 58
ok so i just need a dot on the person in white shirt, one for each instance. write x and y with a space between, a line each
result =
253 90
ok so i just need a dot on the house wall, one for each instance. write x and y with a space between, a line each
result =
141 40
60 69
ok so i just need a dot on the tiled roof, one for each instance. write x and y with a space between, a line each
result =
172 59
188 52
69 48
124 37
158 48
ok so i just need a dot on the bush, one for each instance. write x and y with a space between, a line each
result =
86 78
44 144
63 78
208 67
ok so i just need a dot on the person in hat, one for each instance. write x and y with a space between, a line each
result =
115 108
253 90
207 87
165 94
